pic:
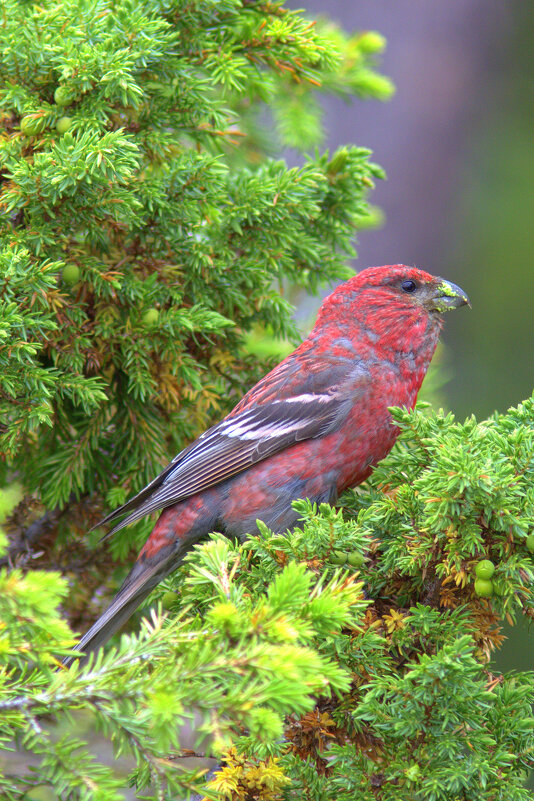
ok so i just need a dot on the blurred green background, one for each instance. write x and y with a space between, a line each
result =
457 143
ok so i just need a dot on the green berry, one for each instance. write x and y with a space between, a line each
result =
355 559
70 274
484 588
338 557
150 317
485 569
63 124
62 96
32 125
168 599
530 543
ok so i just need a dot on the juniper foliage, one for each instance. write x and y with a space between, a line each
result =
378 676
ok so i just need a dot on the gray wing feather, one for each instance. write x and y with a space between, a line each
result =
238 442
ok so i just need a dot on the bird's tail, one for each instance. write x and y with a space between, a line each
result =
143 577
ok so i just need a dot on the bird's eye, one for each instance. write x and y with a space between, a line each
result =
409 286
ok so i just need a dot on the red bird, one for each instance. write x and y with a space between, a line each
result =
314 426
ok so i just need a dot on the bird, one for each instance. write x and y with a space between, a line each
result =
314 426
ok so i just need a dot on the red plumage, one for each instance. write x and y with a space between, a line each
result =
314 426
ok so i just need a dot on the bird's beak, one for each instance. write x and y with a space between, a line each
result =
448 296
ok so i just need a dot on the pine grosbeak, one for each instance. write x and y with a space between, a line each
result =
314 426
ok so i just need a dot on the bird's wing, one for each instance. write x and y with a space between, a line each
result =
249 436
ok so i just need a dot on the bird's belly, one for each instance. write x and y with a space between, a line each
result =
266 490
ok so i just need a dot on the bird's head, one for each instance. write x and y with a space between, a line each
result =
394 304
399 285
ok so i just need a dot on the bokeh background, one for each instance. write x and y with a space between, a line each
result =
457 143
